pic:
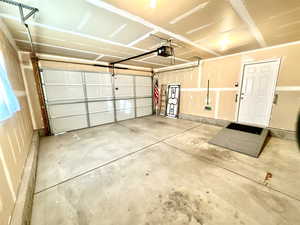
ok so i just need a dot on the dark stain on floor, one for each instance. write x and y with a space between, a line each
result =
161 123
222 155
177 208
135 130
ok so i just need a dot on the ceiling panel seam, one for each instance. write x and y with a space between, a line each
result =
99 57
190 12
183 60
140 20
118 30
149 57
200 28
142 38
176 66
289 24
84 20
242 11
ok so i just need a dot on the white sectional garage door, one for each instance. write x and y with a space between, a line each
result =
76 100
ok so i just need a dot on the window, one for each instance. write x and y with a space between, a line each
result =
8 101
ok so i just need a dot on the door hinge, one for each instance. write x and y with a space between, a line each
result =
275 100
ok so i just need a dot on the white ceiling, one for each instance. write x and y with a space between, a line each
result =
117 29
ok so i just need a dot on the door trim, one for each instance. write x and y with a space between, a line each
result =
237 110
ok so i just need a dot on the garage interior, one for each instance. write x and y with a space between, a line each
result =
149 112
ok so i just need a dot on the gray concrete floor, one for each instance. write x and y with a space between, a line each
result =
155 171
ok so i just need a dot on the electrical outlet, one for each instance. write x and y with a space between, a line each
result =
208 107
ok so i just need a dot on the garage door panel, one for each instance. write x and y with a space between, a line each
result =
143 111
143 91
124 104
125 114
124 86
66 110
143 86
61 77
124 92
98 78
95 107
143 81
123 80
99 92
125 109
101 118
68 123
143 107
142 102
62 93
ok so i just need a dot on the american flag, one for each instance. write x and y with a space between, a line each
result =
156 92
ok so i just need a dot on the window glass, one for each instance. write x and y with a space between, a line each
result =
9 103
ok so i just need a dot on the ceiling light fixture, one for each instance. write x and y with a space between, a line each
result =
153 4
224 43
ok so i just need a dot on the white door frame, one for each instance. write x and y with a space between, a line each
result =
241 84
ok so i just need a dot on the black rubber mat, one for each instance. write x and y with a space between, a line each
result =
241 138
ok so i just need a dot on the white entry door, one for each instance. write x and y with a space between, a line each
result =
257 92
173 100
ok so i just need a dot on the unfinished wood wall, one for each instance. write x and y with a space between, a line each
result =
15 135
224 72
32 94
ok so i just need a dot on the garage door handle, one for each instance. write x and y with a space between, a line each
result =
117 88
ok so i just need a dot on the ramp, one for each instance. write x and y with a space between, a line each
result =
241 138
